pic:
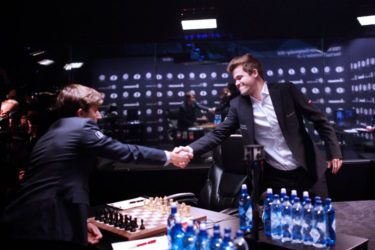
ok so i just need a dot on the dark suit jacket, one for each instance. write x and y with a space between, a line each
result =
290 107
53 198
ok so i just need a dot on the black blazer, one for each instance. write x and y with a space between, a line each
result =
290 106
53 198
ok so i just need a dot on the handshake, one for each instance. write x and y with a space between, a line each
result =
181 156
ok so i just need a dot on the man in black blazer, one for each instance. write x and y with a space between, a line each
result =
271 114
187 111
50 208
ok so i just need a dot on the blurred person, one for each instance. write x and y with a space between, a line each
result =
271 115
227 94
187 111
50 207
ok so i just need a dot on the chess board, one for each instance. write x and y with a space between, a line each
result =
155 222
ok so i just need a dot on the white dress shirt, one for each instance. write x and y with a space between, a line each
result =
269 135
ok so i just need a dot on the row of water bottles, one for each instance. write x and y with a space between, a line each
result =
289 219
193 238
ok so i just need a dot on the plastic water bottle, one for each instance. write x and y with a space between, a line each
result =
240 242
202 242
216 239
245 210
189 237
297 216
305 195
217 119
308 211
267 212
276 218
286 220
293 195
177 234
331 222
318 231
316 198
227 243
171 221
282 194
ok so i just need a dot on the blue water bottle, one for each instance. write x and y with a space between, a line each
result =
216 240
171 221
276 217
293 194
297 219
245 210
331 222
267 212
240 242
318 231
227 241
177 234
305 195
202 242
282 194
189 237
286 220
308 210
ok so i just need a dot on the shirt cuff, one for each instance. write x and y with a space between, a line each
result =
167 154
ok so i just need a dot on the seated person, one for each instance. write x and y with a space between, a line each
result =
187 111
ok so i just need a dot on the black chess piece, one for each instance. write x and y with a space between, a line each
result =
133 227
142 225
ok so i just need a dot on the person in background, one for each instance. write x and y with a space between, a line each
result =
227 94
271 115
188 111
50 208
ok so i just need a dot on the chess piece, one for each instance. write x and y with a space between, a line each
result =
142 225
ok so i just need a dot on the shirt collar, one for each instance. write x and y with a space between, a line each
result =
264 93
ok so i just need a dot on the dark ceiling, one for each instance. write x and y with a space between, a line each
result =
91 22
57 26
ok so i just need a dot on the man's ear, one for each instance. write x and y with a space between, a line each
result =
255 73
80 112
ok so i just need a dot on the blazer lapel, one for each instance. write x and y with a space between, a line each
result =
246 109
277 105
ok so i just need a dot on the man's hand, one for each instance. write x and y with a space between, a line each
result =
335 164
212 110
180 158
93 233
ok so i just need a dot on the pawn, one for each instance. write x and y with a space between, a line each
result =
142 225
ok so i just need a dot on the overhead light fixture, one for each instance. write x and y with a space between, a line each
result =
37 53
366 20
73 65
46 62
199 24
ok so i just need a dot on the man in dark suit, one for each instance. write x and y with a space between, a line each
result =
187 111
50 209
271 114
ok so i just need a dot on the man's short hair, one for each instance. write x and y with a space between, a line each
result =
189 95
76 96
248 62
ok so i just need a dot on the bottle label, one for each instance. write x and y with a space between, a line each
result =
249 214
314 234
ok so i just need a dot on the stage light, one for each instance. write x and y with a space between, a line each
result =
199 24
46 62
73 65
366 20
